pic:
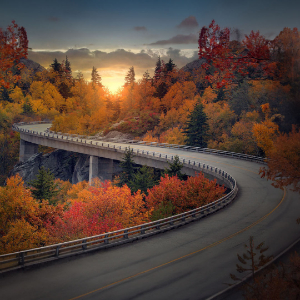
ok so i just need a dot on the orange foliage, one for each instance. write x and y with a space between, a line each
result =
178 93
284 161
266 131
22 218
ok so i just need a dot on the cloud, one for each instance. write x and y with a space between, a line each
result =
140 28
114 62
188 23
113 65
178 39
53 19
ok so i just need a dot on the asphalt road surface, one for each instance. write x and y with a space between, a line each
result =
191 262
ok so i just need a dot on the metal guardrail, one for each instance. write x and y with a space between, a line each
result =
105 240
153 144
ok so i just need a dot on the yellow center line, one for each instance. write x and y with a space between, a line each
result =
190 254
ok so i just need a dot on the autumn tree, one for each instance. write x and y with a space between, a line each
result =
196 129
97 210
287 53
183 195
284 161
266 131
226 60
22 218
13 47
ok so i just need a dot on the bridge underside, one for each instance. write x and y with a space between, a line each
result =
101 158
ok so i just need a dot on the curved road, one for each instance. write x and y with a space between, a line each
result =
191 262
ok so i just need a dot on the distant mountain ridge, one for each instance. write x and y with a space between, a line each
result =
32 65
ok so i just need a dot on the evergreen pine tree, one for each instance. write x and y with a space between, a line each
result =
175 168
130 77
129 168
68 66
96 78
56 66
158 70
43 187
142 180
196 129
170 65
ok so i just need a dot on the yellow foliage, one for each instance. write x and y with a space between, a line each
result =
173 136
17 95
47 95
149 137
266 131
265 134
220 119
19 225
209 95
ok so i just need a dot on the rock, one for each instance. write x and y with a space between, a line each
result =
67 166
81 170
119 135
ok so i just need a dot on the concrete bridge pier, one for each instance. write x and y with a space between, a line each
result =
27 149
100 167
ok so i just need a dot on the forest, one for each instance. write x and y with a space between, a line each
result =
244 98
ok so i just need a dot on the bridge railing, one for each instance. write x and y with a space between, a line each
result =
52 252
109 239
242 156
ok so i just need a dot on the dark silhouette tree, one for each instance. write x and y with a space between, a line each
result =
196 129
130 77
175 168
44 187
56 66
129 168
142 180
170 65
96 78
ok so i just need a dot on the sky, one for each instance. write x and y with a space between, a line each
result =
115 35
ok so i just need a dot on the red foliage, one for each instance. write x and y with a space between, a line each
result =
230 57
13 47
184 195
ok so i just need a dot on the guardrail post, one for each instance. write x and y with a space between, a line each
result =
157 226
21 258
125 234
106 241
142 229
84 245
57 251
